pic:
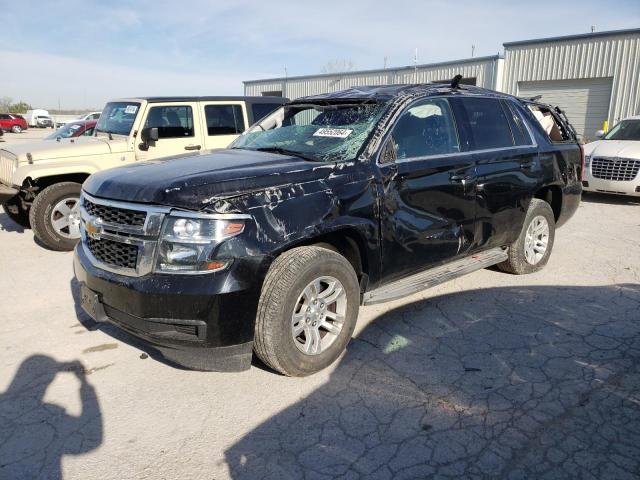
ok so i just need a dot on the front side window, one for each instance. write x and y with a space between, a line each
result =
321 132
426 129
88 132
172 121
224 119
625 130
488 123
118 117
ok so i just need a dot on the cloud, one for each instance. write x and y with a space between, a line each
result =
42 79
201 44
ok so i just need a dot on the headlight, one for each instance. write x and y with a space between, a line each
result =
188 241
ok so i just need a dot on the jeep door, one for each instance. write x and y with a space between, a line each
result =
506 166
428 190
223 121
178 130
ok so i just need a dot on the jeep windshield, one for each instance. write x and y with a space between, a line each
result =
117 118
321 131
625 130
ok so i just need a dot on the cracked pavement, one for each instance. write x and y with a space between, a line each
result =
489 376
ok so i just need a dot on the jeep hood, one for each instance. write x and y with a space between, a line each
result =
195 181
66 148
613 148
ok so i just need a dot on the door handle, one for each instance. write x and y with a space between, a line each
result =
461 178
526 165
192 147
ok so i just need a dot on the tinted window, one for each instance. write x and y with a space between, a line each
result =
520 134
426 128
488 123
261 110
95 116
224 119
175 121
88 132
4 116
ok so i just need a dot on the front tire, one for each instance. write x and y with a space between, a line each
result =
531 251
16 129
307 311
55 216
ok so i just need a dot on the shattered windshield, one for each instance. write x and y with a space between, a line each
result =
322 132
625 130
118 118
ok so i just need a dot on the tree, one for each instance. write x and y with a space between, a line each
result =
5 103
338 66
20 107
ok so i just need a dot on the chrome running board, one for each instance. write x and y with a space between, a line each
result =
434 276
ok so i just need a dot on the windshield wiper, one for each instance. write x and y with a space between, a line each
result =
284 151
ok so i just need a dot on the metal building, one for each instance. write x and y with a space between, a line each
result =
595 77
482 71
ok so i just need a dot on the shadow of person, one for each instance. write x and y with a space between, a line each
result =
490 383
34 435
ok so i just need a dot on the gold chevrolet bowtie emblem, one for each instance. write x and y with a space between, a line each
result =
93 228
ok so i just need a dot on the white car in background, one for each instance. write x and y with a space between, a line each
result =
613 162
82 118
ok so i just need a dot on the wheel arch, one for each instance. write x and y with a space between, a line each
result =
552 194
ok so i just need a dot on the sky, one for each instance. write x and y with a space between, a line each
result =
80 53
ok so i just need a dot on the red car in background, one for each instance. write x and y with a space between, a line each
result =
11 122
74 129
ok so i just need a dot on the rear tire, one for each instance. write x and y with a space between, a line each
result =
531 251
55 216
307 311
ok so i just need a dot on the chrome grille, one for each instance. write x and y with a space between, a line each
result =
616 169
113 253
121 216
7 166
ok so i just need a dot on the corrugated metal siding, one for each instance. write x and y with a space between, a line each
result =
484 70
585 100
617 56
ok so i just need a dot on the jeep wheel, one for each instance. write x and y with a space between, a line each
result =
16 129
531 251
307 311
14 210
55 216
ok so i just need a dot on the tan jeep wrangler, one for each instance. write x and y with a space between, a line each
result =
40 182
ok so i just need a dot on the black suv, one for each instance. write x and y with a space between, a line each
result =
330 202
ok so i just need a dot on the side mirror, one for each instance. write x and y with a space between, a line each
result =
600 134
149 134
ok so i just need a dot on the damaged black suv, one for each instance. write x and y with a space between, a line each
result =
331 202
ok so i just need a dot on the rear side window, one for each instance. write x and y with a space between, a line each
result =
425 129
488 124
261 110
224 119
518 128
172 121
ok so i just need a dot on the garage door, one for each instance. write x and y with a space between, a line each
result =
586 101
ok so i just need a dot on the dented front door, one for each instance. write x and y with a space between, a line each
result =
428 197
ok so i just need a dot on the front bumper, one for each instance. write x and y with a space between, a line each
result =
201 322
7 193
592 184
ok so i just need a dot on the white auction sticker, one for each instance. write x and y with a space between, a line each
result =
333 132
131 109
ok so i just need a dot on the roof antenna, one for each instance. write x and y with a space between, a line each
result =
455 83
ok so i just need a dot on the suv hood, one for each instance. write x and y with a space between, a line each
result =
613 148
67 147
194 181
